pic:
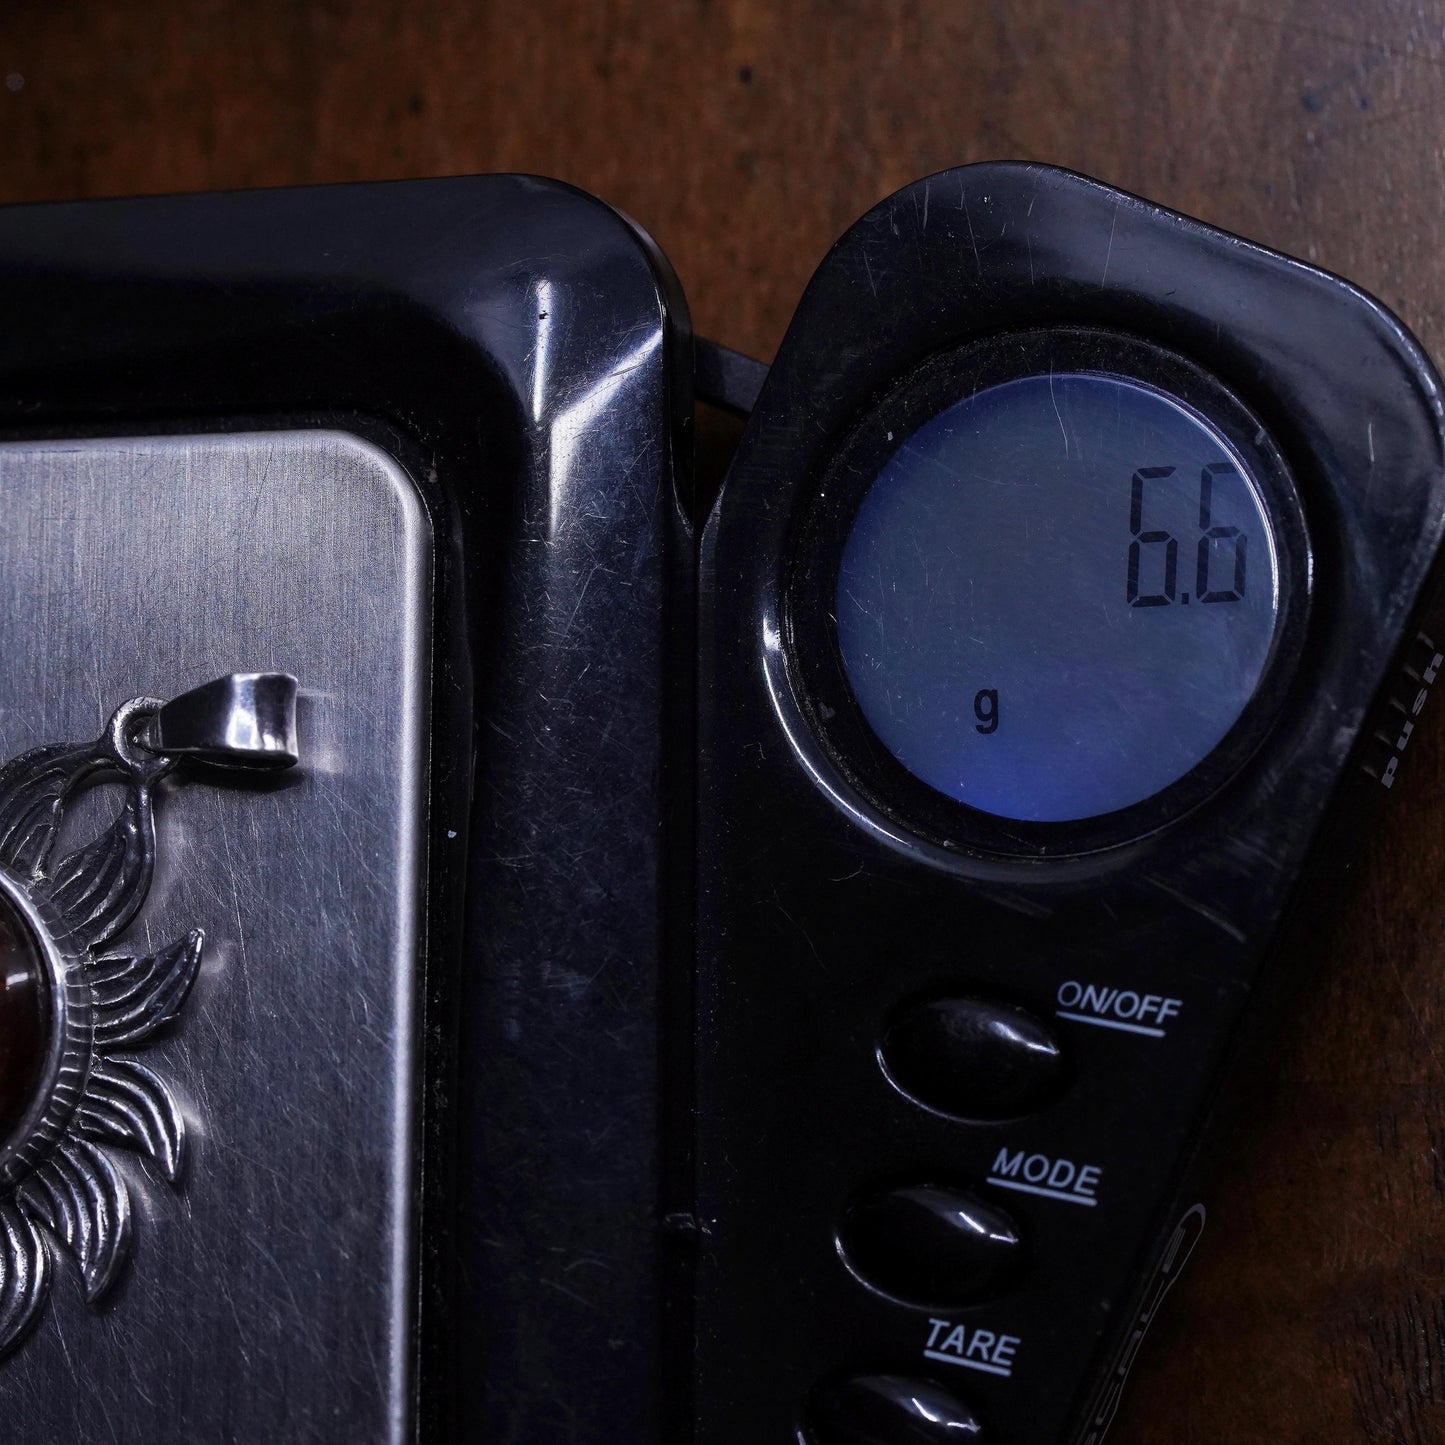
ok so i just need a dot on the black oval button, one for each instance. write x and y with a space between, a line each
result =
974 1059
930 1245
890 1410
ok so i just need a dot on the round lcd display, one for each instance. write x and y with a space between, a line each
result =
1058 596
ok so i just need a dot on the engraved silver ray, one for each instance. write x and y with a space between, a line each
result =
58 1183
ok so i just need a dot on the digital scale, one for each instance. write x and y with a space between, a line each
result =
1068 605
759 978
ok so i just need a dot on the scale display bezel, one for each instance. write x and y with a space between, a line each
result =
814 656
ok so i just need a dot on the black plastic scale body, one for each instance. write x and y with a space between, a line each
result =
520 356
955 1067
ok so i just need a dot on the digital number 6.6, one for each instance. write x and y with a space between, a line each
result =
1210 534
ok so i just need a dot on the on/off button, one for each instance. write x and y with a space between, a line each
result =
974 1058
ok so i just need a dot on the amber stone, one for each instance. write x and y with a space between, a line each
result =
24 1017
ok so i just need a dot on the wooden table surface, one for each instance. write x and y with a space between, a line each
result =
745 137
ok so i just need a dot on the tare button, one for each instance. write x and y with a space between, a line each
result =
890 1410
1053 1177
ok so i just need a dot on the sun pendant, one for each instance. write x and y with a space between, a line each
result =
72 1012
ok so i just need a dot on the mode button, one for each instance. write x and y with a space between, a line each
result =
929 1244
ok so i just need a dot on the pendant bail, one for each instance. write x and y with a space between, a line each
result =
242 720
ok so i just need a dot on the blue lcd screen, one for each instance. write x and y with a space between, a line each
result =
1058 596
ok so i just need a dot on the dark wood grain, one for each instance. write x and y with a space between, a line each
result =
745 137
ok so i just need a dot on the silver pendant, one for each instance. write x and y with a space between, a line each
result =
71 1012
